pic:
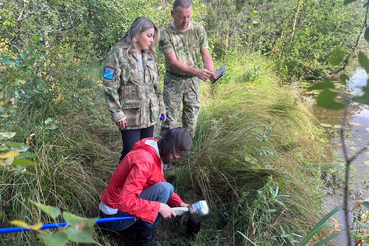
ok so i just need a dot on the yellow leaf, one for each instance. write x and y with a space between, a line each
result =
358 203
19 223
29 138
10 154
335 220
36 227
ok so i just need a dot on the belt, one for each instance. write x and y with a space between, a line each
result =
180 75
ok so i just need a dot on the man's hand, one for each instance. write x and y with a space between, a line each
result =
121 124
204 74
165 211
212 77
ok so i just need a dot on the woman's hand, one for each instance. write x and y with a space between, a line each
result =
121 124
184 204
165 211
163 114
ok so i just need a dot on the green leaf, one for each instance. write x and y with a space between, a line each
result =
79 236
27 154
363 99
337 56
365 226
326 98
367 129
322 85
73 220
55 239
53 212
320 225
8 61
17 146
48 120
365 205
24 163
329 238
37 38
344 78
4 135
348 1
364 61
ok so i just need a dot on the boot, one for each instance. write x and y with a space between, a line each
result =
146 236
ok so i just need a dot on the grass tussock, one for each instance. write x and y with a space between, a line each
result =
256 158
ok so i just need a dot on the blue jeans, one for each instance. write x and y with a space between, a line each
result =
159 192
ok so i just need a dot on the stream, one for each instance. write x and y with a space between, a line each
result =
356 137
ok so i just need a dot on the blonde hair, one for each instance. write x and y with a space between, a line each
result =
129 41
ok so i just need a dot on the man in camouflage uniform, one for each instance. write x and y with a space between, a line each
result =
183 42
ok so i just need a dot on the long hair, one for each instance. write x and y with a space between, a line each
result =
175 141
129 41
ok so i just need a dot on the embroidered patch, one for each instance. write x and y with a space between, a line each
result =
150 62
149 58
124 60
109 73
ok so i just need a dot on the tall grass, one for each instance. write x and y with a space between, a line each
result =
72 145
257 159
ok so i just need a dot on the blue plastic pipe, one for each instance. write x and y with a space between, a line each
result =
62 224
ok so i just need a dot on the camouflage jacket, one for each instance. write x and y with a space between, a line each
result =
130 93
186 44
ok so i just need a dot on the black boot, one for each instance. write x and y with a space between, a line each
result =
146 236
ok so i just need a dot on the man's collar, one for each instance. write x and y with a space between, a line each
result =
189 25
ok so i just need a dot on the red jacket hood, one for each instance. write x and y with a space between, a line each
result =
141 168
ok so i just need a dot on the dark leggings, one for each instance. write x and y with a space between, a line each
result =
130 137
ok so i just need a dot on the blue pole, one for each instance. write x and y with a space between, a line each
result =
62 224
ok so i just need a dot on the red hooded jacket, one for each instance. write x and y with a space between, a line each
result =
141 168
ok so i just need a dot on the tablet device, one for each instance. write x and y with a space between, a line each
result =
219 73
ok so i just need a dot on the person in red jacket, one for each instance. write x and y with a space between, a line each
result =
138 188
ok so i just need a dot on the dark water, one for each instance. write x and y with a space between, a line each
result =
356 137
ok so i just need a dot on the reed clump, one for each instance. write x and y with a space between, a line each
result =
257 158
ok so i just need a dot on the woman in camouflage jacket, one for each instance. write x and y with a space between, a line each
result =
131 84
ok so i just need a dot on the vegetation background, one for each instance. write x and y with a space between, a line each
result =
259 155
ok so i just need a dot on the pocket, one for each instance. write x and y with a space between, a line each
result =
130 92
129 73
132 110
154 110
153 72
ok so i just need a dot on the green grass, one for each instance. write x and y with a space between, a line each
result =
254 138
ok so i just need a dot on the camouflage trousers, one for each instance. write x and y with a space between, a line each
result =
177 91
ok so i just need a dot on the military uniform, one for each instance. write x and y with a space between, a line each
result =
178 87
132 94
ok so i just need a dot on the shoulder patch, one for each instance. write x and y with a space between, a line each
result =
109 73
